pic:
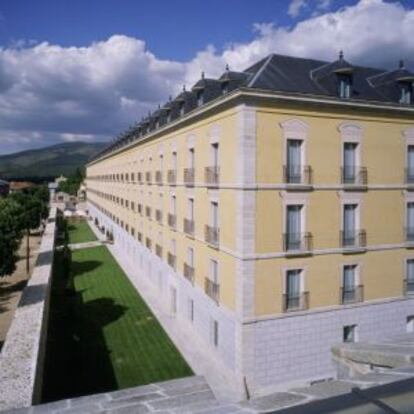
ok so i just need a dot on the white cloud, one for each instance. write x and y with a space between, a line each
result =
50 93
297 6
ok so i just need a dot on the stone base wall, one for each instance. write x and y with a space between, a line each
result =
22 355
296 349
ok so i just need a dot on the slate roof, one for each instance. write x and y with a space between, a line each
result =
281 74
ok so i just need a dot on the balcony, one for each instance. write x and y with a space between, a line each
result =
172 177
212 289
189 227
189 273
297 243
408 286
409 236
298 176
409 177
212 235
212 176
172 220
158 250
148 177
158 177
297 302
352 294
158 216
189 176
148 212
354 177
353 240
148 243
171 259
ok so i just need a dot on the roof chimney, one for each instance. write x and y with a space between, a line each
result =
341 55
401 64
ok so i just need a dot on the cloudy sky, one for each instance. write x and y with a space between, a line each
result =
85 70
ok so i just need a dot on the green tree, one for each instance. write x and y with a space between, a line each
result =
10 235
33 208
72 184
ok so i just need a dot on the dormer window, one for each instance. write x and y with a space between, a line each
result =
168 116
181 108
224 87
406 96
344 86
200 98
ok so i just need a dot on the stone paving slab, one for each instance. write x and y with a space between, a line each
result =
326 389
274 401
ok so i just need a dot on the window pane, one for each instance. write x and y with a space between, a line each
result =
349 161
410 215
410 270
294 160
349 277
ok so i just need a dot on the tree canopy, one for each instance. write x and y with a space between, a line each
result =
72 184
19 213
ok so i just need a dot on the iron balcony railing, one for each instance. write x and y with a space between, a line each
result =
148 177
212 235
353 238
158 250
189 227
409 286
171 259
158 177
189 273
352 294
354 176
212 176
409 234
148 243
409 175
295 302
172 220
172 177
189 176
148 211
158 215
300 175
297 242
212 289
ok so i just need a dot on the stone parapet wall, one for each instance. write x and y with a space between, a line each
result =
22 355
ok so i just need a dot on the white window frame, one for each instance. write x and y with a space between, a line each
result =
295 129
355 329
214 270
302 277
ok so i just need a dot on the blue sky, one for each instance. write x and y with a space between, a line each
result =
86 69
172 29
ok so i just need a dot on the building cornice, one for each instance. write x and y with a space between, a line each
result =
251 96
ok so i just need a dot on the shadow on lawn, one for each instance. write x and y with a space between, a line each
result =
77 359
80 268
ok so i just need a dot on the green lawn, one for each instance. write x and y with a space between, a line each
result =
102 336
80 232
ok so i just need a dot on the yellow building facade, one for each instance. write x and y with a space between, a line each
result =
271 226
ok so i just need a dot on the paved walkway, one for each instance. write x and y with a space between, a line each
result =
78 246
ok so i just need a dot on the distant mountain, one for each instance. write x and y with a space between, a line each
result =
49 161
